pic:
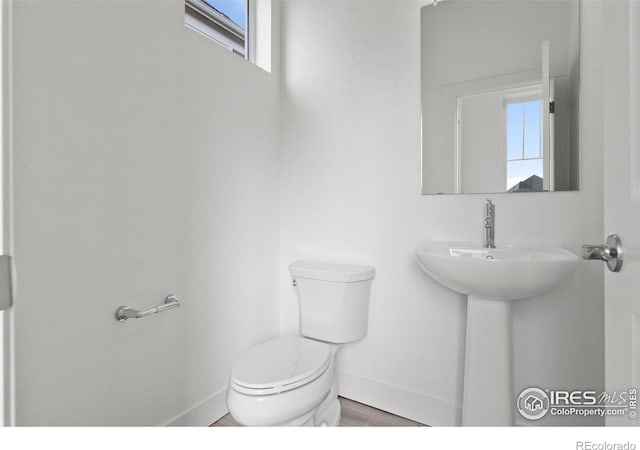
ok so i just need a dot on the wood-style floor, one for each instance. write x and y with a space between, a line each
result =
354 414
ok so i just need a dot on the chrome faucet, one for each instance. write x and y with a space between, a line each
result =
489 225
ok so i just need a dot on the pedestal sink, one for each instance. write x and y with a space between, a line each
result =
492 278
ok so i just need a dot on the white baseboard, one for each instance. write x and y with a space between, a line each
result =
402 402
203 413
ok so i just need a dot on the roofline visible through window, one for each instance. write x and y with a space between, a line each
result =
220 22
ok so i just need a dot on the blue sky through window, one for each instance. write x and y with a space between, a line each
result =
236 10
533 129
514 131
524 141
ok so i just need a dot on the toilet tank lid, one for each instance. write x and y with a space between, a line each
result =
317 270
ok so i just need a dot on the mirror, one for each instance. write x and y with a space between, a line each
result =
500 96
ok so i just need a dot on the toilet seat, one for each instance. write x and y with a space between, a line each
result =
280 365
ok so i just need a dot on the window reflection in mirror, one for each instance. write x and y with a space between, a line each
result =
500 96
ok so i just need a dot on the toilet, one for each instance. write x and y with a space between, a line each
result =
293 380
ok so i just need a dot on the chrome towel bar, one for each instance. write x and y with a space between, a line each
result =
124 312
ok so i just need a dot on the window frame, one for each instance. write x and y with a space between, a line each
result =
522 100
523 94
213 24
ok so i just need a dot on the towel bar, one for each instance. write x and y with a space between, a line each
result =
124 312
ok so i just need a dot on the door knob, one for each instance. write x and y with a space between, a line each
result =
611 252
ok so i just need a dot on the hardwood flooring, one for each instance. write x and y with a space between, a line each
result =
354 414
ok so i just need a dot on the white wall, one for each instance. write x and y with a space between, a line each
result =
350 190
146 162
482 165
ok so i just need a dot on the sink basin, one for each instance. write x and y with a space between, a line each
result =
503 273
491 278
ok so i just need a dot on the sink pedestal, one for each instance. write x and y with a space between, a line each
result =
492 278
488 367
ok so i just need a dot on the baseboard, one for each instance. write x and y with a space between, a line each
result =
402 402
204 413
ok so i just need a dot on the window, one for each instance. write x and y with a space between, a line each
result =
524 144
225 21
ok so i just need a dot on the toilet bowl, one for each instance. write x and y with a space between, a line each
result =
281 382
292 380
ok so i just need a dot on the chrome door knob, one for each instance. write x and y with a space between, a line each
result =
611 252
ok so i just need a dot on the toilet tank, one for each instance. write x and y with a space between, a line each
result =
334 299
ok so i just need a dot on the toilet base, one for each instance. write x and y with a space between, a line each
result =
328 414
331 416
277 409
329 411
